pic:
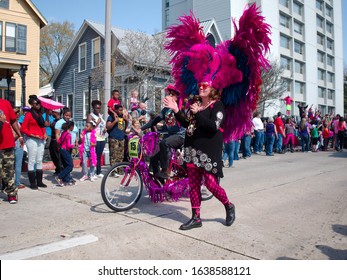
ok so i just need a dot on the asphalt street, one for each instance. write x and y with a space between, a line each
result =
290 206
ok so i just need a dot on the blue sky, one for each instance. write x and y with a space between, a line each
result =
138 15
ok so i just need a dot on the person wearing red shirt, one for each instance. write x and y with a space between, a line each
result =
34 128
8 121
113 101
280 132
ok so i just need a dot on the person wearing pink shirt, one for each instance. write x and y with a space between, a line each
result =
341 128
64 177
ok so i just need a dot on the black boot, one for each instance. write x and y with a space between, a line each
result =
230 214
194 222
32 180
39 174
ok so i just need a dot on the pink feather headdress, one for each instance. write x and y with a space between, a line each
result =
233 67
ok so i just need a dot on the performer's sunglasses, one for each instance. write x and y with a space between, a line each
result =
203 86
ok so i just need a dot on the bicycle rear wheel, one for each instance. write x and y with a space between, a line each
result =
205 193
121 187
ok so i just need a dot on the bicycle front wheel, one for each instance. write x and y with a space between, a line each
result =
121 187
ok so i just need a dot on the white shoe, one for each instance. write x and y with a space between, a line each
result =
93 178
85 177
100 175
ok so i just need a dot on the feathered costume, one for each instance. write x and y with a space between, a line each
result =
93 157
233 67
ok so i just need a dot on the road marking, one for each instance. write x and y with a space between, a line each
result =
49 248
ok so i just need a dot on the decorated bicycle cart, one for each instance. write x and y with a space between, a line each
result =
122 186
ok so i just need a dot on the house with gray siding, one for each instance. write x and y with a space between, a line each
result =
79 77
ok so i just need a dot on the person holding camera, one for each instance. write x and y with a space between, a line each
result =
174 138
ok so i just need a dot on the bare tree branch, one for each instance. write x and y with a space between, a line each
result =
55 40
272 88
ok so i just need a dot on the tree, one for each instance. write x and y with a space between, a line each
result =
56 39
139 62
272 88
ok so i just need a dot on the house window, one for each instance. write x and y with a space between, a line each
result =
4 4
70 103
298 8
299 67
284 20
85 103
167 23
284 3
331 94
330 60
299 87
22 39
82 55
320 21
59 98
10 40
330 44
330 77
0 35
319 5
298 27
329 27
320 39
321 92
285 42
286 62
320 75
298 47
287 84
320 56
167 3
322 109
329 11
95 52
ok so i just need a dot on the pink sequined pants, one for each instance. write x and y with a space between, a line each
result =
195 176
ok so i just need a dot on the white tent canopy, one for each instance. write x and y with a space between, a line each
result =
46 90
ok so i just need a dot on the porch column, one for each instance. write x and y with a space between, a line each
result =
22 74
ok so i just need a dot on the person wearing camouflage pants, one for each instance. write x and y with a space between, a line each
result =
116 125
8 122
7 172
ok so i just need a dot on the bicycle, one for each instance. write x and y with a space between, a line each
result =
122 185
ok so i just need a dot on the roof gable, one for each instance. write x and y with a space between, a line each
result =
117 34
43 21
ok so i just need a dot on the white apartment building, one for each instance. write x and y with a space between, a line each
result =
306 40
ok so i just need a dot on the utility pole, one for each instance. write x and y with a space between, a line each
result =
107 56
89 93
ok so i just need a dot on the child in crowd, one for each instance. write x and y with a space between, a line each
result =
314 137
64 177
326 136
113 101
135 129
87 151
290 135
134 102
